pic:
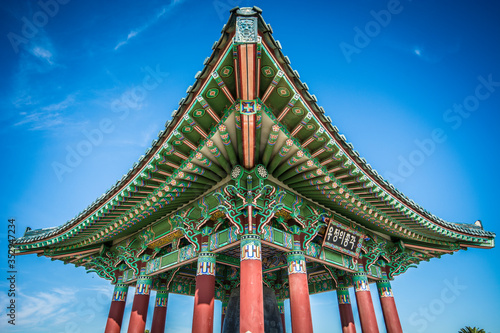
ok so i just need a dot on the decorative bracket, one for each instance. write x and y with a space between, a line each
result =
192 228
104 266
129 256
310 225
373 248
333 274
399 259
250 198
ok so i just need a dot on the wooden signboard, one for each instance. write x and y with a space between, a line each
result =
341 238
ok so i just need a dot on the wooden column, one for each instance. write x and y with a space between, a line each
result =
300 307
139 312
160 312
364 301
203 314
345 308
391 317
115 317
251 287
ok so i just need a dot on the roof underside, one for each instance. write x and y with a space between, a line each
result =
296 142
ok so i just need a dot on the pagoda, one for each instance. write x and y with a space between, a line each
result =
251 187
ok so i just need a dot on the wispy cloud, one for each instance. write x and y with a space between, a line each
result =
39 120
429 51
160 14
436 53
44 117
59 309
61 105
47 307
39 56
33 106
43 54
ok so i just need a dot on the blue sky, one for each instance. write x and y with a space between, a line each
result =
395 93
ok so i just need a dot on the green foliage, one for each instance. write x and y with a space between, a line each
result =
469 329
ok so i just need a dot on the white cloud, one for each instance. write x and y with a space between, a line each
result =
46 307
44 117
36 59
42 53
162 12
40 120
132 34
61 105
120 44
60 310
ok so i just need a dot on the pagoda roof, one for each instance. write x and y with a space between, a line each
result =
190 157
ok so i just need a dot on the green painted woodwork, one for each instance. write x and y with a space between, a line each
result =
143 284
278 237
343 292
161 298
120 291
296 262
250 189
191 182
360 280
276 160
258 135
332 256
271 141
169 259
128 275
206 263
225 259
384 287
226 140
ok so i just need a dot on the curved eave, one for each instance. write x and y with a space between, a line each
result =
157 183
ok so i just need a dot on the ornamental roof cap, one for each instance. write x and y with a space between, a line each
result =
246 11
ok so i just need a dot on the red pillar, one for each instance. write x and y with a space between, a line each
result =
115 317
281 307
139 312
345 309
203 314
251 288
160 312
364 301
300 307
391 317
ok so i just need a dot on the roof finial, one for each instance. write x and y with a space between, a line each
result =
248 11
